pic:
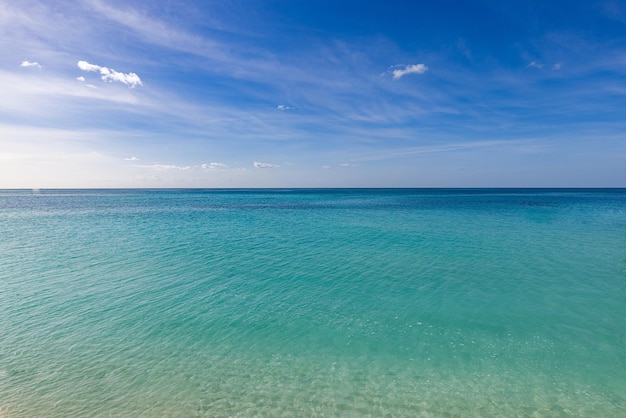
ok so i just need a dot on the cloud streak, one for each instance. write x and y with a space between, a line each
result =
258 164
409 69
214 166
30 64
164 167
108 74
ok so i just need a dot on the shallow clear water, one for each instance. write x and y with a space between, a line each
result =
433 303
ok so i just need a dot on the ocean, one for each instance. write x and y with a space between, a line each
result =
330 302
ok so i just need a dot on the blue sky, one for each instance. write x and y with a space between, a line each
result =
288 93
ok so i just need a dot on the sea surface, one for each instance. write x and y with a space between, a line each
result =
384 302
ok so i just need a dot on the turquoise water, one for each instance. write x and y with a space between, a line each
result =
433 303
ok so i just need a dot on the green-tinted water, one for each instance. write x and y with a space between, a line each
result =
313 303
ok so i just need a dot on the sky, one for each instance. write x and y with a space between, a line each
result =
324 93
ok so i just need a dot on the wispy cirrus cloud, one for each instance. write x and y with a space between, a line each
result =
161 32
55 99
109 74
534 64
409 69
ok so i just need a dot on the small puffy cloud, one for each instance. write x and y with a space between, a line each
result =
257 164
30 64
81 78
348 165
283 107
535 64
326 167
409 69
214 166
85 66
131 159
109 74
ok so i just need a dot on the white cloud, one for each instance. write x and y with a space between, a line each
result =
264 165
30 64
131 159
162 167
81 78
326 167
557 66
410 69
130 79
85 66
535 64
348 165
214 166
283 107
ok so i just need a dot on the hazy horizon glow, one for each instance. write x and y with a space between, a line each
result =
312 94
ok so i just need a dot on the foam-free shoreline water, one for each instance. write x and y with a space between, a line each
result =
433 303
